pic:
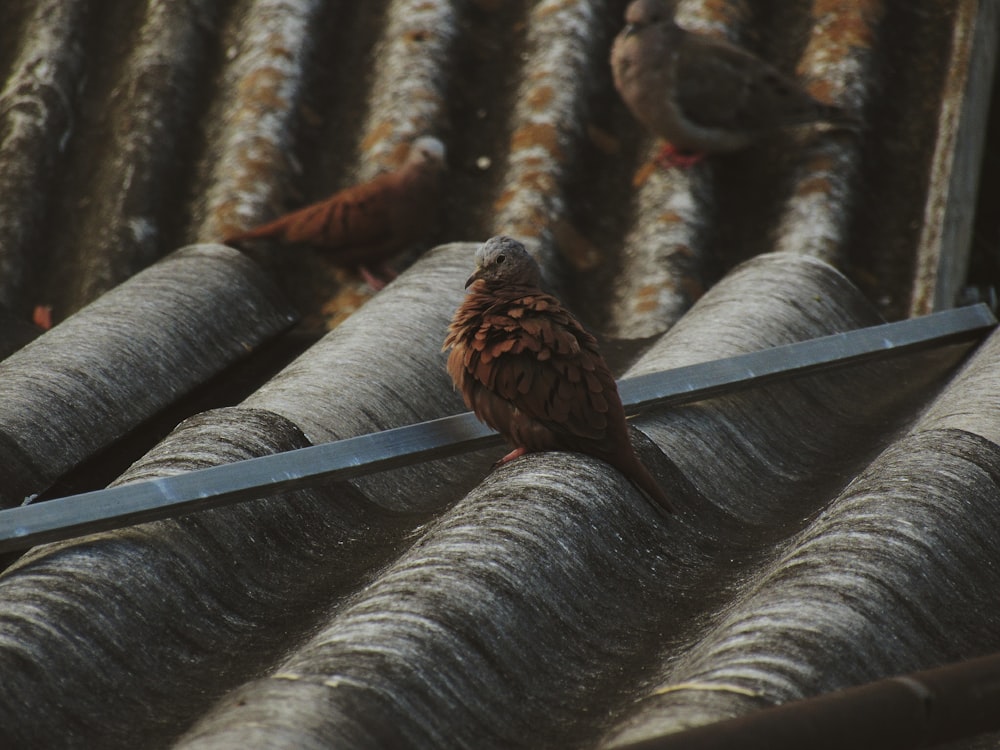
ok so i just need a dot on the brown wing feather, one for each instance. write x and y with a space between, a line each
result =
537 358
357 216
529 370
746 93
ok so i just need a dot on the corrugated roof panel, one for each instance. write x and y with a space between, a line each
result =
831 529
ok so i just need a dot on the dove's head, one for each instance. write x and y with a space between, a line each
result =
427 150
504 262
643 13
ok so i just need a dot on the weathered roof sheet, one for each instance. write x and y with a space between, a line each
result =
831 530
101 373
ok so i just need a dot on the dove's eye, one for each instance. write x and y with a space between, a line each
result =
501 259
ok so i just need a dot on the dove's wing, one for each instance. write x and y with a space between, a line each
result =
356 216
531 361
529 370
722 86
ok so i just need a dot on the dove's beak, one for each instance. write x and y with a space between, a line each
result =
475 275
629 30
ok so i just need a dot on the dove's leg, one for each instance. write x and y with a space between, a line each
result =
671 156
42 316
371 279
387 272
516 453
377 281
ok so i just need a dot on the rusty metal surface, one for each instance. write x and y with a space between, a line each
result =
166 123
837 63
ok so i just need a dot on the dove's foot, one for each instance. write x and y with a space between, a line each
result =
516 453
670 157
42 316
377 282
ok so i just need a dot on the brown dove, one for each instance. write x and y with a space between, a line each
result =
366 224
529 370
702 94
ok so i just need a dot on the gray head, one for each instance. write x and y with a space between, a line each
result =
427 150
643 13
504 262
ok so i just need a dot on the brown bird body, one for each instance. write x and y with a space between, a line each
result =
702 94
366 224
529 370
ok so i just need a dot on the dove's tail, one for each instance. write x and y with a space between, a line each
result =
273 229
309 225
639 476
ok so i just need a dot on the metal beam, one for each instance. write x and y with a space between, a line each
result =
100 510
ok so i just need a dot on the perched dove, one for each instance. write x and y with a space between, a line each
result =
366 224
701 94
529 370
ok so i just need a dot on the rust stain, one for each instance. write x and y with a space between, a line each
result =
823 162
537 134
260 90
553 8
538 77
504 200
669 217
399 153
226 222
825 89
376 135
257 159
647 298
843 34
542 182
280 50
848 24
540 96
417 36
533 161
530 223
643 174
227 218
816 184
723 19
725 12
426 95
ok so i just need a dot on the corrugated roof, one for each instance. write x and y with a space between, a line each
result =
831 530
